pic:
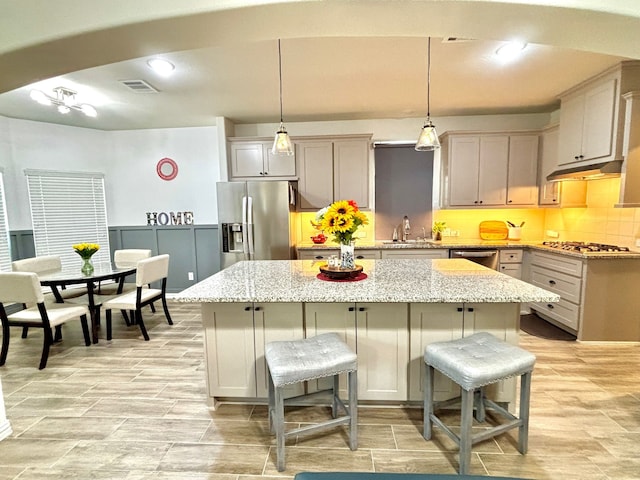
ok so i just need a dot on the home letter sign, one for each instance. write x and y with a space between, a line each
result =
171 218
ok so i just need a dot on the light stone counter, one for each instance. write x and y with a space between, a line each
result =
389 281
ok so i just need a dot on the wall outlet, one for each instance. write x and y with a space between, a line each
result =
637 242
190 275
552 234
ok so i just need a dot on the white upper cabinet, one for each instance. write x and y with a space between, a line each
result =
549 191
489 169
255 159
333 169
587 123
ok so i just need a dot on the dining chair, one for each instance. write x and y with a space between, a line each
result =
124 258
46 264
148 270
24 288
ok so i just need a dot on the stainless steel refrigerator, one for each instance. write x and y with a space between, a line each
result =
255 221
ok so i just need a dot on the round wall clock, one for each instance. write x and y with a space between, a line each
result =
167 169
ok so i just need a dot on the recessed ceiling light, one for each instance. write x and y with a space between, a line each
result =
510 50
161 66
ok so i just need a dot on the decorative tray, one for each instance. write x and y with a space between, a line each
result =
340 273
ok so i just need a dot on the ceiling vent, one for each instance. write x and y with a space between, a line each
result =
457 40
138 86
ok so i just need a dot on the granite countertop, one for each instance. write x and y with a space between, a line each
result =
474 243
389 281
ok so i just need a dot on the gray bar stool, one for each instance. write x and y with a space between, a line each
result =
474 362
297 361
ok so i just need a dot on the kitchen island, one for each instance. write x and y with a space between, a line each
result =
387 318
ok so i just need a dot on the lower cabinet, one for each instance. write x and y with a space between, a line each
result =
420 253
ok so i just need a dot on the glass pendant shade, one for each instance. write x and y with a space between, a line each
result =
282 143
428 140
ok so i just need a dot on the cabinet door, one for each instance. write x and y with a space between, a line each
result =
275 322
331 317
549 191
523 170
315 161
383 351
278 165
503 321
512 269
351 171
429 323
597 134
464 156
492 172
571 126
247 160
229 349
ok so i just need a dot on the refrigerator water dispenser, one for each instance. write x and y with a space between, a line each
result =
232 238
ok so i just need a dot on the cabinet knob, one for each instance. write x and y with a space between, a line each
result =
361 309
502 267
319 257
470 309
549 306
261 173
266 173
552 282
510 201
359 257
581 157
247 309
460 309
480 201
352 309
475 201
257 309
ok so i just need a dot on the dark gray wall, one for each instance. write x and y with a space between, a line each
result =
403 186
193 248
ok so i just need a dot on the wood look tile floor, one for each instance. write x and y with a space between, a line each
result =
129 409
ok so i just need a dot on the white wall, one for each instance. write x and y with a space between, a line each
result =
127 158
134 188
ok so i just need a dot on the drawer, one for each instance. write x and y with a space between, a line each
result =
367 254
419 253
558 263
317 254
564 312
511 256
566 286
512 269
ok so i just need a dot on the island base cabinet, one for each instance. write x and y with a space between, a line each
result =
383 351
433 322
275 322
338 318
229 349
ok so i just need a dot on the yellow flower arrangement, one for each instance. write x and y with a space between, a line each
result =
340 219
86 250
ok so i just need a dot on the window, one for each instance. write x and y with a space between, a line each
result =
5 246
68 208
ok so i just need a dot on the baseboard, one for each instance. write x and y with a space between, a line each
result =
5 429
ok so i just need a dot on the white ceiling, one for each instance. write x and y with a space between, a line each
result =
326 76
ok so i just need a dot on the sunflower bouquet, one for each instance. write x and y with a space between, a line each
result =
86 250
340 219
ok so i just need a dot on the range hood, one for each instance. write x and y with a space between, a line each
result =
594 171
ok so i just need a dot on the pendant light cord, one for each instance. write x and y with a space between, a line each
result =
280 77
428 79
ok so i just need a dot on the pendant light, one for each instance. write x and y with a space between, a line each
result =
428 139
282 142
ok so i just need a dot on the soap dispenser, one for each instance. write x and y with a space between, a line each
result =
395 234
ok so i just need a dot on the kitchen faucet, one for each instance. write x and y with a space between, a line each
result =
406 229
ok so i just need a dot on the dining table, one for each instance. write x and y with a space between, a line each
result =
103 271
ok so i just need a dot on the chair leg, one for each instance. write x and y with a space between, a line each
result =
58 335
48 340
465 431
279 427
140 323
25 331
108 320
85 330
166 310
523 429
428 401
126 318
353 410
5 342
152 307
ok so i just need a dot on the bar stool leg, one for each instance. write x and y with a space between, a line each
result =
353 410
523 429
465 430
271 406
334 398
428 401
279 427
480 408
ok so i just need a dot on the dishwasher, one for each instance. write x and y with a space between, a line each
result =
483 256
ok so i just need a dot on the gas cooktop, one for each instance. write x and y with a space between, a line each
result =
584 247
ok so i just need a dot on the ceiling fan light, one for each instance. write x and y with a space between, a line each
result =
428 139
510 50
282 142
161 66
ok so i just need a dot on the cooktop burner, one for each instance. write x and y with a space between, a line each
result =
585 247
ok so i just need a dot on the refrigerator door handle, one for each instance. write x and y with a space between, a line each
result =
245 240
250 226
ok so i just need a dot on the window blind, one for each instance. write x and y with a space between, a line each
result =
5 245
68 208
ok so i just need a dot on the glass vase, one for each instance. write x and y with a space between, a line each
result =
87 266
347 258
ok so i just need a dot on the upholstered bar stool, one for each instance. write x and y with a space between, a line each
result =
291 362
472 363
